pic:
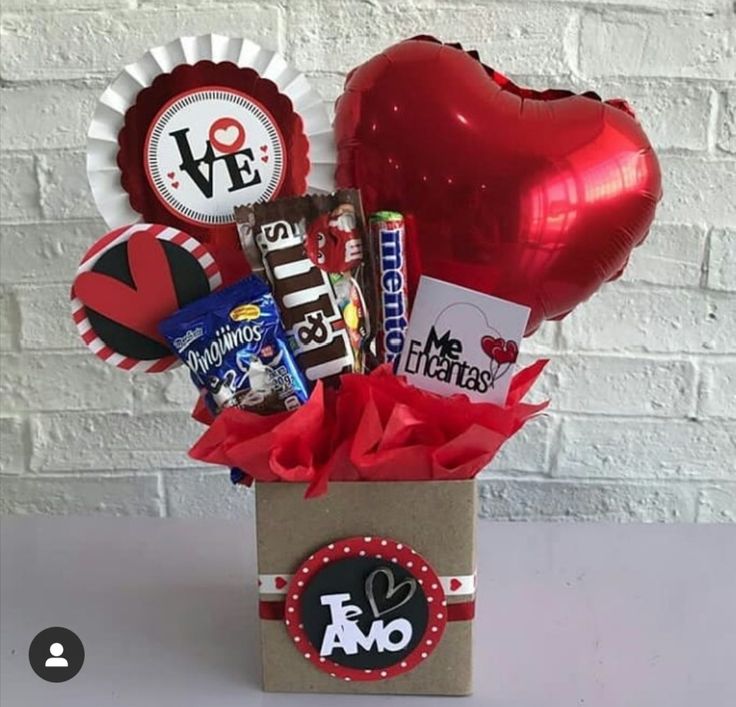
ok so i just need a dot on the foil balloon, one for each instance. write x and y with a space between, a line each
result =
534 196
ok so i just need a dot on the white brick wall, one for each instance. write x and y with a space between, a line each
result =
643 377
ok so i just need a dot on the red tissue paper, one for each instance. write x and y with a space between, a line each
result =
373 427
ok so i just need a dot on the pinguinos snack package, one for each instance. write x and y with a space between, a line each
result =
235 346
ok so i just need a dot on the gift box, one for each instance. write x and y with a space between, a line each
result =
402 553
365 505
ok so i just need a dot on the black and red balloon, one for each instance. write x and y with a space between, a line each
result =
534 196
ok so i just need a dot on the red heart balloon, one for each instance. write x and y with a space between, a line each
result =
535 197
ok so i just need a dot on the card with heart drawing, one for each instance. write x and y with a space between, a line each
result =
462 341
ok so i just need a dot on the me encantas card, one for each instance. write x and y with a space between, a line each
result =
462 341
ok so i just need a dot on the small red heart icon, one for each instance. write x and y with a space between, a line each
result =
455 584
264 148
264 158
175 185
170 175
488 343
507 353
227 135
279 582
499 350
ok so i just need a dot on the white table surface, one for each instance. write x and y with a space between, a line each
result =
568 615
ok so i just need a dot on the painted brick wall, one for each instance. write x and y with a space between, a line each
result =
643 378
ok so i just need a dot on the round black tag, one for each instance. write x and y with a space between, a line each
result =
365 608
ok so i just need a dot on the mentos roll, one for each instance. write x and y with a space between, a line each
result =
388 250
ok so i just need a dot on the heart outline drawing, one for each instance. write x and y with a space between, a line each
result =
391 590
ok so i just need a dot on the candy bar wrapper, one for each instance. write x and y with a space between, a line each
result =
236 349
311 250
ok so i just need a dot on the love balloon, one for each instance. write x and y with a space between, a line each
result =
535 197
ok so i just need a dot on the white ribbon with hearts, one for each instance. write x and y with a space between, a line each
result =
453 585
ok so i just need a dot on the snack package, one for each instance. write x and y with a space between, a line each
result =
236 349
311 250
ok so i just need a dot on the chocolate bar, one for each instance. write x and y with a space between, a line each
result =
311 250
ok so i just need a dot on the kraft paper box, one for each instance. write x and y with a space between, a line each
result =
367 589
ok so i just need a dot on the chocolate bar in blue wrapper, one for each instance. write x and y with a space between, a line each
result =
236 349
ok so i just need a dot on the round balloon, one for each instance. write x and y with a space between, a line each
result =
534 196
